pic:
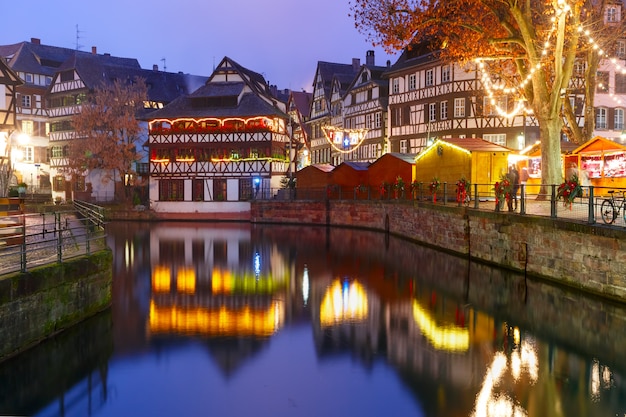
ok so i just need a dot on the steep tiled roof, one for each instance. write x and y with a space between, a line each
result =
250 105
411 58
302 102
329 70
35 58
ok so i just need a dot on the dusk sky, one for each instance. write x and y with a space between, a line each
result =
281 39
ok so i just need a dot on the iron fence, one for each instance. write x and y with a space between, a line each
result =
604 205
30 240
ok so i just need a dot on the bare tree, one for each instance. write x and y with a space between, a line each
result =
108 131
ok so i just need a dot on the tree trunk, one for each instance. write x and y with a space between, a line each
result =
551 171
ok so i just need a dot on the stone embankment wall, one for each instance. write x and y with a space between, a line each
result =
39 303
587 257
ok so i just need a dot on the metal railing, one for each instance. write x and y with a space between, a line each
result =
30 240
532 199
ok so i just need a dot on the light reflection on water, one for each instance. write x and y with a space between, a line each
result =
238 320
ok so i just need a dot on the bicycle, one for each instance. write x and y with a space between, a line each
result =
611 207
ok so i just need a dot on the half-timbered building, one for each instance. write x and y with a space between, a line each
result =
365 110
35 64
431 99
214 150
74 80
329 85
8 83
299 108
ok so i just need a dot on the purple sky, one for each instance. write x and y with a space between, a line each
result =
281 39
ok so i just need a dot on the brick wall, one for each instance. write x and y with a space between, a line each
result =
588 257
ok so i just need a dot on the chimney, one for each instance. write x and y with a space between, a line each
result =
356 64
36 41
388 63
94 50
369 58
155 67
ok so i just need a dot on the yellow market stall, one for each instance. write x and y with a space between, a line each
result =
479 161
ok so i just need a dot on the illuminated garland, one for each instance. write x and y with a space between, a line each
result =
490 86
350 139
269 122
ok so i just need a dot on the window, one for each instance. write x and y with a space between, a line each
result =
28 127
396 117
412 82
612 14
601 118
429 78
620 83
579 67
446 74
57 152
443 110
25 100
395 86
245 189
369 120
620 49
198 190
171 190
602 82
28 78
67 76
219 190
403 147
498 138
377 120
459 107
29 154
48 80
432 112
79 183
618 122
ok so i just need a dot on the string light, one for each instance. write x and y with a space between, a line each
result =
350 139
491 88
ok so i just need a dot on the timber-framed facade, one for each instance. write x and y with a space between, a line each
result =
216 149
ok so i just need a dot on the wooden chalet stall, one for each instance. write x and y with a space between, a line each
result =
605 162
529 164
312 180
479 161
387 169
346 177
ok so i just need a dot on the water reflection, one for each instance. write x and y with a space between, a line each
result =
315 321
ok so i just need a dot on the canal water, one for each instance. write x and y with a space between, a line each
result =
245 320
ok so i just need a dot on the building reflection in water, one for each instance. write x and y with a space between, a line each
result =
459 336
212 284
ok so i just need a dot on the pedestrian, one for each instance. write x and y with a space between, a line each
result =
572 172
514 177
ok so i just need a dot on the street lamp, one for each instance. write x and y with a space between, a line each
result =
8 157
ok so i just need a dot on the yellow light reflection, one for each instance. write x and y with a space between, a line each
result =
161 279
451 338
221 282
186 281
343 302
223 321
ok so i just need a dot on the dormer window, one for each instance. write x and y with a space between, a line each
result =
364 77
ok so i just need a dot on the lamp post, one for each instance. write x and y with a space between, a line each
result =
7 159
